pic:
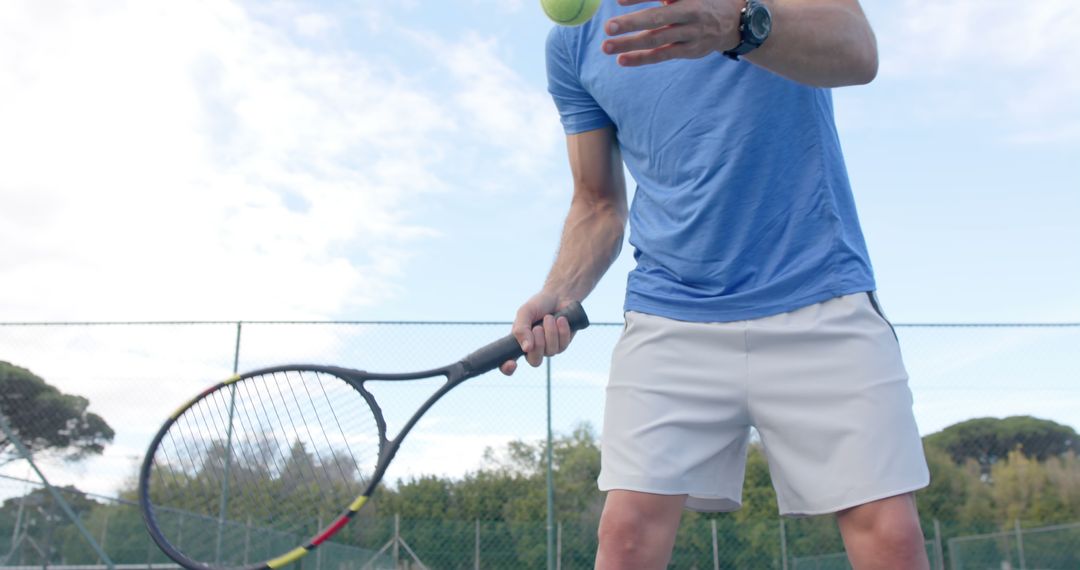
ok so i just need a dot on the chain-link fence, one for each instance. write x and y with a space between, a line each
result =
134 374
34 533
1056 546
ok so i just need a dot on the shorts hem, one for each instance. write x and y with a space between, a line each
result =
850 504
727 504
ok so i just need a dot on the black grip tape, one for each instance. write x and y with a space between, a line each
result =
507 348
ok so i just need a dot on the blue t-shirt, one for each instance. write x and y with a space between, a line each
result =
743 207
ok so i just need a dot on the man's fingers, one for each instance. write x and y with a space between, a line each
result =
648 39
551 337
648 19
535 355
522 328
548 337
565 334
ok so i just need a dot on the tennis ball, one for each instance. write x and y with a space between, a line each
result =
570 12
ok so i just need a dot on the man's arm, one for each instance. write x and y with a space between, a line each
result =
824 43
591 239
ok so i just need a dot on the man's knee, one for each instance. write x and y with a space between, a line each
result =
638 526
897 535
627 527
889 527
623 533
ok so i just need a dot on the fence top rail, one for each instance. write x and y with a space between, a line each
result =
143 566
1062 325
70 490
466 323
1011 533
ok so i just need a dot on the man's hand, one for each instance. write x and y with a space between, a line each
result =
687 29
547 339
821 43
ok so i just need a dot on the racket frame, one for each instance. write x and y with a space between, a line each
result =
479 362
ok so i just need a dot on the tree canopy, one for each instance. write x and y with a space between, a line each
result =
502 505
988 440
46 419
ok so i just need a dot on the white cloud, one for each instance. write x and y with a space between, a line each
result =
925 37
192 161
990 60
503 6
184 161
314 24
498 105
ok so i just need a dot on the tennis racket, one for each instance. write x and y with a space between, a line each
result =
260 470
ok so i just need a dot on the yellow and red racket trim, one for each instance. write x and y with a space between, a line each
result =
299 552
192 401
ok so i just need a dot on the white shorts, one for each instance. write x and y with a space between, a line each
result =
824 386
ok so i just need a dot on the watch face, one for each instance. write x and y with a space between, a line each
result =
760 23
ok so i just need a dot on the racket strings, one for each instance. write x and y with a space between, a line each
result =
262 463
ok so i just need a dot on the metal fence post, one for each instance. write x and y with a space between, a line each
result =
318 551
715 547
783 545
954 555
224 502
550 479
1020 545
397 540
247 540
476 551
558 547
938 553
236 349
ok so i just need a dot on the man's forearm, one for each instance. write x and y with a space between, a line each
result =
825 44
591 241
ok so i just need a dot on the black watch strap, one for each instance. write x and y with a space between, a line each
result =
743 48
749 41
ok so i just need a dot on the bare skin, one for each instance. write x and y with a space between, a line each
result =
884 535
824 43
637 531
591 240
821 43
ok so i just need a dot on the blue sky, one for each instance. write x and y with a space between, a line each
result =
333 160
371 160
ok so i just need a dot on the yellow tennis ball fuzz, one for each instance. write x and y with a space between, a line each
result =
570 12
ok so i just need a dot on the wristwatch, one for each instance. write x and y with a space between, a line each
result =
755 23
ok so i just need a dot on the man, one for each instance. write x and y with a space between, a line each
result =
752 302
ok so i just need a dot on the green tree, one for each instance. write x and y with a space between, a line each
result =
46 419
1064 474
42 523
1021 488
949 488
759 530
987 440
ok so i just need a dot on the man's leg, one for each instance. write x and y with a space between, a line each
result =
637 530
884 535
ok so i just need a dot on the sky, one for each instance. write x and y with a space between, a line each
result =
364 160
332 160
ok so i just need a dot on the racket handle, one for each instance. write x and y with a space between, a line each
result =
507 348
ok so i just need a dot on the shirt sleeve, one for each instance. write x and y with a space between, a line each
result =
578 110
